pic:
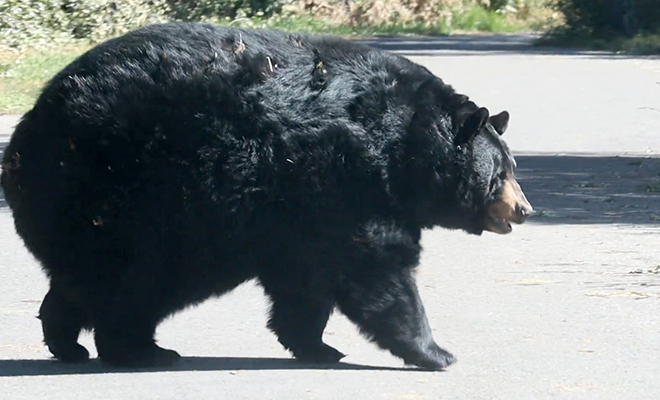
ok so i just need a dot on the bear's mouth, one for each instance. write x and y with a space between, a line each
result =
497 224
511 206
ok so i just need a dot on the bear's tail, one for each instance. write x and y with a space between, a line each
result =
11 163
22 159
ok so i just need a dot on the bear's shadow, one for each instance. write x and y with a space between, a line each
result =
230 364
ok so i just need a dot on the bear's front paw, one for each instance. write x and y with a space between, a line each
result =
322 354
434 359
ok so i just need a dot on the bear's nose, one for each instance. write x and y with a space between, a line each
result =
524 212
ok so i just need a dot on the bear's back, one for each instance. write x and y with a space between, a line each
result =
180 76
239 121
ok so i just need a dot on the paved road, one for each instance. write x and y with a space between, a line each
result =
566 307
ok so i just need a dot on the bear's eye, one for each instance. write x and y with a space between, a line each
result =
502 175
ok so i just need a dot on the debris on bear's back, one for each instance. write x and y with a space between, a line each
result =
319 74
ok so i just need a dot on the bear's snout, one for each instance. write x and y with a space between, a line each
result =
511 206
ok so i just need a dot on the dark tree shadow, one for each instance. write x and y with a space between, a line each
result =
53 367
591 189
466 45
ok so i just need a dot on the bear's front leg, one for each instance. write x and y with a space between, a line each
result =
380 295
389 311
298 317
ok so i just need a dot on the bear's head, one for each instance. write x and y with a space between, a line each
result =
456 170
489 188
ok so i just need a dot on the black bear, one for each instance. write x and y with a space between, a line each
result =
175 162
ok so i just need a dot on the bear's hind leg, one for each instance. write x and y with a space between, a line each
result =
387 308
61 322
126 339
298 320
125 324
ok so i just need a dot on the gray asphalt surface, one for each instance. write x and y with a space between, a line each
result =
565 307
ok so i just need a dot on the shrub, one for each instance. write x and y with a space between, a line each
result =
196 10
610 17
45 22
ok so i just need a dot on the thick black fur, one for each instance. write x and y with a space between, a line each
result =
171 164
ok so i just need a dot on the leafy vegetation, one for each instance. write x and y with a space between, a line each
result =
631 26
53 23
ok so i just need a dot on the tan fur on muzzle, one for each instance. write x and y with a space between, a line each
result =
512 206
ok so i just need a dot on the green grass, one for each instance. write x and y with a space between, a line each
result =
480 19
476 19
22 75
309 24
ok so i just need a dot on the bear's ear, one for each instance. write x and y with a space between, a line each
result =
456 100
464 108
500 122
472 125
